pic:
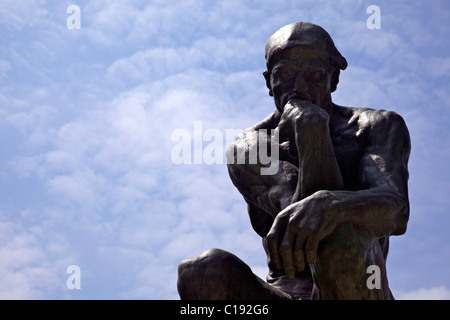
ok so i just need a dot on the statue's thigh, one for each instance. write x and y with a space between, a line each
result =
348 263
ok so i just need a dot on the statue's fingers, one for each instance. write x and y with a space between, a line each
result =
273 243
299 250
311 246
286 253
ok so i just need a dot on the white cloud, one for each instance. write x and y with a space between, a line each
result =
435 293
21 14
109 174
210 53
33 263
5 68
159 23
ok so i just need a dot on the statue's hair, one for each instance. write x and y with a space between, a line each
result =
305 34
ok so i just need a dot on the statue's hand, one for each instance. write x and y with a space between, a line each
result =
295 234
297 114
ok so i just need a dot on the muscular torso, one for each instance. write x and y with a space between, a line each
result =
349 141
350 132
349 138
349 144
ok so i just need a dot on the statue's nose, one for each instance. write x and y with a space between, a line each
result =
300 86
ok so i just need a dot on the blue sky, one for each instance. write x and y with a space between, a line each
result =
87 116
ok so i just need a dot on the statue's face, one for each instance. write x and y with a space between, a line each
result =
303 73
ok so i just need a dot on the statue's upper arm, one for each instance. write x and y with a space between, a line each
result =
246 180
385 162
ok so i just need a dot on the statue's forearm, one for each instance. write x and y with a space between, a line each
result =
271 193
318 167
380 210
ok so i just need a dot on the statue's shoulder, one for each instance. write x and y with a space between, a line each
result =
264 126
372 119
379 127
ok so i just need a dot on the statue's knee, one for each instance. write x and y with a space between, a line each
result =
187 279
205 276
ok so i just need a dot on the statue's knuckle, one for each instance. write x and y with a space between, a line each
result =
271 236
315 118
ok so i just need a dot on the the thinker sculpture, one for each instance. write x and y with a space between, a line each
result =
339 193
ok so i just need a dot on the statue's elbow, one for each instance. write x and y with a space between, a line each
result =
230 154
402 218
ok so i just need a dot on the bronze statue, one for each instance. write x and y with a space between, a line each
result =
340 192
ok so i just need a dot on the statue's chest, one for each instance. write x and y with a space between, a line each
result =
348 149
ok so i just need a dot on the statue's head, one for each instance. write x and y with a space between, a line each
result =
302 61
